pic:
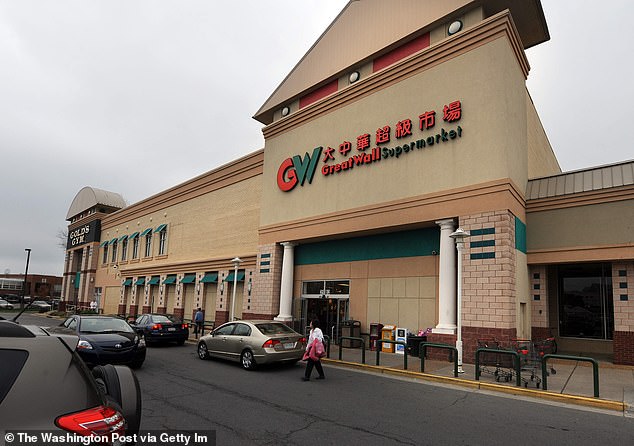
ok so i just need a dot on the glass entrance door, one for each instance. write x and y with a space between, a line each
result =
328 301
586 307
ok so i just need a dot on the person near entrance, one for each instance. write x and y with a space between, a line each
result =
199 322
315 339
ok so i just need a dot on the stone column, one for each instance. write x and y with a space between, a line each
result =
447 280
286 288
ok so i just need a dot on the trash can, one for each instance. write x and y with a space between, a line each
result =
387 332
413 344
375 333
351 329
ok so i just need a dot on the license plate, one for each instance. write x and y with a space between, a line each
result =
171 329
289 345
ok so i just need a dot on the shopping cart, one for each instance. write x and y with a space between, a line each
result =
531 355
498 364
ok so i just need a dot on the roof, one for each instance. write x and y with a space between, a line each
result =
584 180
89 197
367 28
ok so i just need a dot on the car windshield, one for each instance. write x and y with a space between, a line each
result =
162 318
104 325
272 328
39 302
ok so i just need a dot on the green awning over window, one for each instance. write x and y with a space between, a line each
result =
240 278
135 235
146 232
122 238
113 241
169 280
160 228
189 278
210 278
103 244
127 282
154 280
140 281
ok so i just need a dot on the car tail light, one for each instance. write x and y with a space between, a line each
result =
185 325
302 340
100 420
271 343
157 327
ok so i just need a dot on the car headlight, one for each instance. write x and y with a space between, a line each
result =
85 345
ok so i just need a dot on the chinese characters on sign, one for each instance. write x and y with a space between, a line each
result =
295 170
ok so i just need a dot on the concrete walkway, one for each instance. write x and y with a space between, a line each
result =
572 382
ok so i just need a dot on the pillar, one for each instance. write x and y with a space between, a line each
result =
447 280
286 288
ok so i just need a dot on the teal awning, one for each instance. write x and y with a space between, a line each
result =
169 280
127 282
240 277
154 280
146 232
103 244
135 235
140 281
189 278
122 238
160 228
113 241
210 278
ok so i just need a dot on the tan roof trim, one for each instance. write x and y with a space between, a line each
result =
249 261
499 26
238 170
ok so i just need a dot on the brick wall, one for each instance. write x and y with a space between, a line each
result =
623 292
267 280
538 294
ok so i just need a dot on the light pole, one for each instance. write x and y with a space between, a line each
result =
459 237
236 263
26 272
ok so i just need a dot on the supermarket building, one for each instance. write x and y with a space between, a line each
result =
405 121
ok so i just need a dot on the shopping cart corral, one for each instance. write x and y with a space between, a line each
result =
519 359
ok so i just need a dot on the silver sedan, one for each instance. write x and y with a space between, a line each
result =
252 343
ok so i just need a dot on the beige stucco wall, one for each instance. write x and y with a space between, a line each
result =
541 158
581 226
490 85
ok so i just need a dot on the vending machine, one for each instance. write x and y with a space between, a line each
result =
400 335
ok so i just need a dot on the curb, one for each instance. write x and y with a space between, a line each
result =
597 403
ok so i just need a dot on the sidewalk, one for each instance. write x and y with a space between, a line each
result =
572 383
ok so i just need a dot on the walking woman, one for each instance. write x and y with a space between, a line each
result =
315 340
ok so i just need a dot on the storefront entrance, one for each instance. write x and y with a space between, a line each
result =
586 307
327 301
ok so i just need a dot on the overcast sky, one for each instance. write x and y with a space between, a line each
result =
137 96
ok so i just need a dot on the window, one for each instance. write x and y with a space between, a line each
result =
114 251
124 249
162 241
242 330
105 254
224 330
148 244
135 248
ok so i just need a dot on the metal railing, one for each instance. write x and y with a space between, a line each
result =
379 344
350 338
423 352
595 369
516 362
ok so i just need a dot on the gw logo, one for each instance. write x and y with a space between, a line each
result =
295 170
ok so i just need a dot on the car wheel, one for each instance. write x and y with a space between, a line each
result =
203 353
121 387
247 360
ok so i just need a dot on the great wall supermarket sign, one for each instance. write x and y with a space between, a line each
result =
352 155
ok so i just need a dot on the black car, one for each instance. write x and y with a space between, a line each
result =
161 328
106 340
45 386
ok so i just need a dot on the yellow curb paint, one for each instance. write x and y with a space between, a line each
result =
569 399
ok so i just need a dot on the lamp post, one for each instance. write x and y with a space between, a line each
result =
26 272
459 237
236 263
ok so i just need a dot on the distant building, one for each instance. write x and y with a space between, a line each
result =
405 121
37 285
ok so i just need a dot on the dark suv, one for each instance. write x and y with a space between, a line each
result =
45 385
